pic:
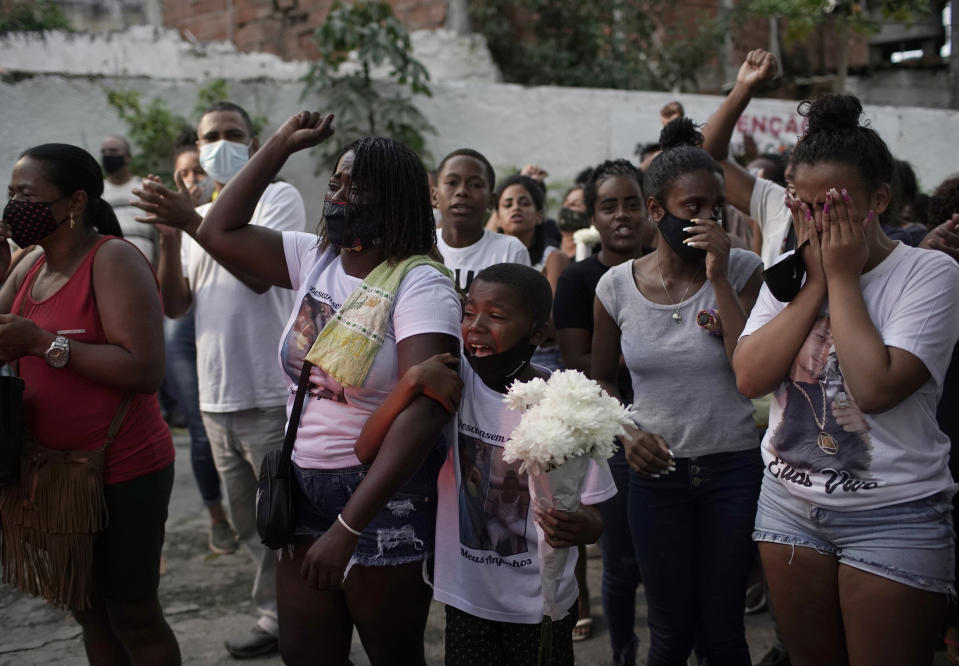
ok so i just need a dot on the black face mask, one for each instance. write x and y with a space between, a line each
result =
784 278
349 226
571 220
499 370
113 163
671 227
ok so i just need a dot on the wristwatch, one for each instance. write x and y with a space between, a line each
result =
58 355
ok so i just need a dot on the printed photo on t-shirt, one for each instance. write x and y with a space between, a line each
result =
494 499
310 320
822 429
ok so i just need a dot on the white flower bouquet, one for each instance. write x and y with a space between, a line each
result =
585 239
566 421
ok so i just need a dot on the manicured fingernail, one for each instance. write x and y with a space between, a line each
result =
671 468
808 214
845 195
825 208
687 229
655 476
671 454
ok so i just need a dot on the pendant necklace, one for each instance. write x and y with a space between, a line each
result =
826 442
678 318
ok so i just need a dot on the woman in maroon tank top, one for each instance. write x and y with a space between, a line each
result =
81 315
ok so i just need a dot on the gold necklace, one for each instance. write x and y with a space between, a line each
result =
676 316
826 442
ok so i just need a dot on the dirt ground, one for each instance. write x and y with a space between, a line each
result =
207 599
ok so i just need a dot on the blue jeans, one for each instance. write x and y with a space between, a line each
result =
181 376
692 534
620 569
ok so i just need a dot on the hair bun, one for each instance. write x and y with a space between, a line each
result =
680 132
832 112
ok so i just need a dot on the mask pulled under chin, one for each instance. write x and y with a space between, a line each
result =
499 370
223 159
349 226
671 227
30 221
784 278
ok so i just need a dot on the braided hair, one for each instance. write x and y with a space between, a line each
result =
71 169
398 196
681 142
606 170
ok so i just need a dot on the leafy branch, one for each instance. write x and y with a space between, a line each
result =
353 41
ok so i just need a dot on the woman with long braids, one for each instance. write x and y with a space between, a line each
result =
675 315
854 522
81 319
363 532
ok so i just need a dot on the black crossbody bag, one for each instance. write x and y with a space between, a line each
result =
275 518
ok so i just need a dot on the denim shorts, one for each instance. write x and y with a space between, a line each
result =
911 543
403 531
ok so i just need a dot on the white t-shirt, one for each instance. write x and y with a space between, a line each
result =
330 423
768 207
548 250
236 328
144 236
486 539
870 460
492 248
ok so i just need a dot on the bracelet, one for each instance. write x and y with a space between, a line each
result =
349 529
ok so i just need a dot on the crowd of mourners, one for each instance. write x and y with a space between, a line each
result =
782 328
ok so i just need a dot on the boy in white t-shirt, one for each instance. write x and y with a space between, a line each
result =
487 565
463 194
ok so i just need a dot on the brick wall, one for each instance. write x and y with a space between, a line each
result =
283 27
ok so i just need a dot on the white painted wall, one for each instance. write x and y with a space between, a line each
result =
561 129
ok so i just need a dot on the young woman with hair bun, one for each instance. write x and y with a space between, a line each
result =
675 315
854 521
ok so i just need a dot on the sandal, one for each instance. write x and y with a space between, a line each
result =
583 629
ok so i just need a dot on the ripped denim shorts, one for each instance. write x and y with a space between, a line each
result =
911 543
403 531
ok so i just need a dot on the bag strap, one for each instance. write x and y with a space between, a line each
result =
118 418
23 305
286 455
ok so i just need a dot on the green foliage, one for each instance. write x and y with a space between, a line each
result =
153 129
804 16
616 44
32 17
364 106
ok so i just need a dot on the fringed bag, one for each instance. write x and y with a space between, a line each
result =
50 520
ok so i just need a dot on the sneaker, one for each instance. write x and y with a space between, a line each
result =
257 643
223 539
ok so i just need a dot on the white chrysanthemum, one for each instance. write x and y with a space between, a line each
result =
587 236
523 395
565 417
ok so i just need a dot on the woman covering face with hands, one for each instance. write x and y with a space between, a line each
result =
675 315
854 516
